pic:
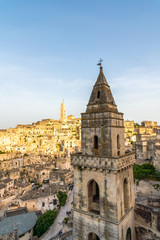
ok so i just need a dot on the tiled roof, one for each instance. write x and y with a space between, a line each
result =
23 223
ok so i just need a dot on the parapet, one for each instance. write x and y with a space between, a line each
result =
104 163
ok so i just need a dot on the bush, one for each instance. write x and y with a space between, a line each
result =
145 171
66 219
1 152
25 155
55 169
44 222
62 198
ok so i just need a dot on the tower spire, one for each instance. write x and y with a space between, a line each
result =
101 98
63 117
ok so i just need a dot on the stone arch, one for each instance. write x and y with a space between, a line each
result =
126 193
96 142
93 236
128 234
98 94
93 197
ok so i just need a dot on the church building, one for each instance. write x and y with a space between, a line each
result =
103 174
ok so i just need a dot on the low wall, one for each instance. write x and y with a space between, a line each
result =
147 217
146 188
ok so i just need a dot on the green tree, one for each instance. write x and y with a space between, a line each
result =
147 171
44 222
1 152
136 125
62 198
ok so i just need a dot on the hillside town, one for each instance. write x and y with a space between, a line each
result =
35 169
35 165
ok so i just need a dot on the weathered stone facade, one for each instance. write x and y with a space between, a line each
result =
103 176
147 218
148 148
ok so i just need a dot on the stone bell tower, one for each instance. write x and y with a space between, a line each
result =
63 116
103 174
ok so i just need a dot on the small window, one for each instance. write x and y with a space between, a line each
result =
43 204
95 142
98 94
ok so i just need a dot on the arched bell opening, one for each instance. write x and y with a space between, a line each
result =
93 236
93 197
126 194
128 235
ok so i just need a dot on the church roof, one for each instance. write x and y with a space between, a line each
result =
23 223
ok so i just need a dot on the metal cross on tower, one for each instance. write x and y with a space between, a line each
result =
100 62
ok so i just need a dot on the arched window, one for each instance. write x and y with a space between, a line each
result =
126 194
128 235
93 236
95 142
93 197
98 94
118 146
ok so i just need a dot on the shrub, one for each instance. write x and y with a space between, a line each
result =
62 198
145 171
66 219
1 152
44 222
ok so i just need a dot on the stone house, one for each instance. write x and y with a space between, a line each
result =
22 186
14 174
64 177
9 184
147 147
42 174
2 189
39 200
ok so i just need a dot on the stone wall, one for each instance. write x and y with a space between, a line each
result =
147 218
10 236
146 188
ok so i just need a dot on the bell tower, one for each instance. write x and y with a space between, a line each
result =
63 116
103 174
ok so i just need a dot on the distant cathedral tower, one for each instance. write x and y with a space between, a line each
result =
63 116
103 174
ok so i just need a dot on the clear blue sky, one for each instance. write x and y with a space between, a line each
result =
49 50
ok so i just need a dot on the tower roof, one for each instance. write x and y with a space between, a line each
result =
101 99
101 78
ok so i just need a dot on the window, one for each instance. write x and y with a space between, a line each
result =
43 204
118 146
98 94
93 197
95 142
128 235
54 201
